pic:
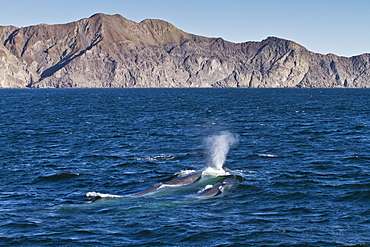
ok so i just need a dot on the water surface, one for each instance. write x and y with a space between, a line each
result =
304 155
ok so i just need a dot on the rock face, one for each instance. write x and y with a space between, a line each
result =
111 51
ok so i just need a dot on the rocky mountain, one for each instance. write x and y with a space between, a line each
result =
111 51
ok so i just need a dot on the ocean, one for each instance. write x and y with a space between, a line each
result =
301 156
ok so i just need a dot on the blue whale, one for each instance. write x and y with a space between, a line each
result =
181 181
189 179
217 189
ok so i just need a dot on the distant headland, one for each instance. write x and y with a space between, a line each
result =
109 51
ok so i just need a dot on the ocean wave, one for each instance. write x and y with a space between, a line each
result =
59 176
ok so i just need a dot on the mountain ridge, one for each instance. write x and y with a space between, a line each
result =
105 51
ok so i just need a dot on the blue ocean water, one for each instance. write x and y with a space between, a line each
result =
303 155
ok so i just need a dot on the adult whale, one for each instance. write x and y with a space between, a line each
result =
181 181
177 182
184 180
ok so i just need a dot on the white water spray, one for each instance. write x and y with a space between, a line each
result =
218 147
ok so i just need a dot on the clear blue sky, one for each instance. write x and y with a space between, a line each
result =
341 27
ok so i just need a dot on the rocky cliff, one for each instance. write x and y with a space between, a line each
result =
111 51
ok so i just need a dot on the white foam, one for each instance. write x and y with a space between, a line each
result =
210 171
184 172
268 155
161 157
96 194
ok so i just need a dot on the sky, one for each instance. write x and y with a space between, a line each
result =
341 27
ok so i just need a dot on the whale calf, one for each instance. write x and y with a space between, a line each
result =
218 188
